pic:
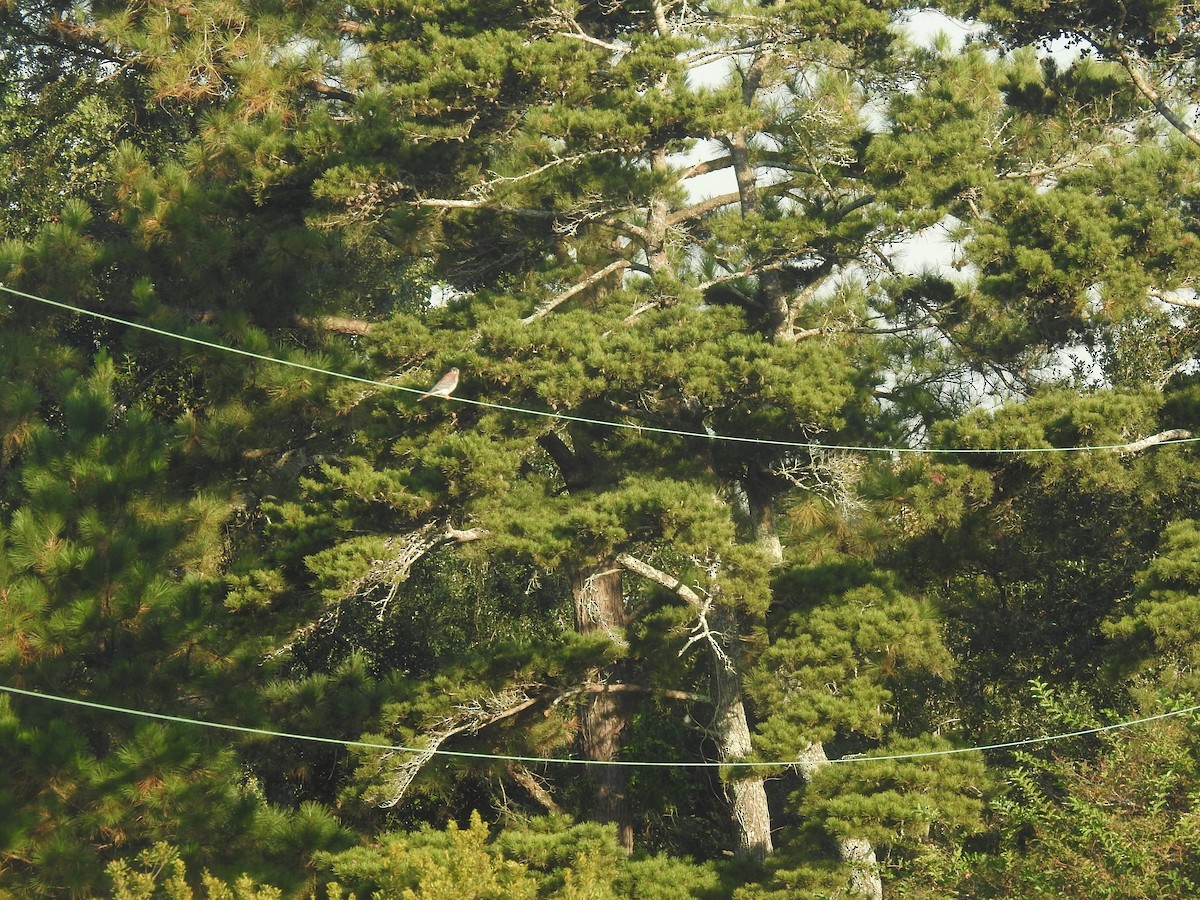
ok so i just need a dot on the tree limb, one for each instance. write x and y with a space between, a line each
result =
393 571
340 324
472 717
1172 299
333 92
580 286
670 582
534 786
450 203
1150 92
623 688
1163 437
696 210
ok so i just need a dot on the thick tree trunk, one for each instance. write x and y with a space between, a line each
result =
600 606
730 727
865 880
731 730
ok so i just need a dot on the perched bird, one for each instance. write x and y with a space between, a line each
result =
444 388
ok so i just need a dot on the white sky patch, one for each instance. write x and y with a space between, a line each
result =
922 27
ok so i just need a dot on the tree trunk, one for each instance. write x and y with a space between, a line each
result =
865 880
730 727
600 606
731 730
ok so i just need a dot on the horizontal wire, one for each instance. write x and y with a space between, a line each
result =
551 760
564 417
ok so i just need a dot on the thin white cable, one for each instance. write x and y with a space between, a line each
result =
564 417
503 757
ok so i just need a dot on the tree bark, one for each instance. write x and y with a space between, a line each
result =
858 853
730 727
731 730
597 593
600 606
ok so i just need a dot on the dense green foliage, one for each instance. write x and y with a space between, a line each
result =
693 260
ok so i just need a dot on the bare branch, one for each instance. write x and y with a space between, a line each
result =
622 688
706 166
340 324
560 19
450 203
1150 92
842 212
702 606
472 716
696 210
670 582
577 288
484 186
1163 437
534 786
1174 299
832 475
405 551
595 42
333 92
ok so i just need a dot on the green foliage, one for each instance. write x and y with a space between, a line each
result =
235 540
159 872
549 857
1121 825
830 667
1157 634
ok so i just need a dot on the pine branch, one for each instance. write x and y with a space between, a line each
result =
1147 89
471 717
1163 437
577 288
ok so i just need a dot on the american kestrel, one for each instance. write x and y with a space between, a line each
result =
444 388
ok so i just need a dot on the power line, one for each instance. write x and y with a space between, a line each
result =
564 417
504 757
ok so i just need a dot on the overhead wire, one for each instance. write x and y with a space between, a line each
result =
565 417
550 414
550 760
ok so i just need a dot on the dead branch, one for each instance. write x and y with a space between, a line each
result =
622 688
577 288
560 19
332 91
702 631
340 324
832 475
535 786
404 552
393 570
1150 92
696 210
451 203
484 186
1173 298
469 717
1163 437
670 582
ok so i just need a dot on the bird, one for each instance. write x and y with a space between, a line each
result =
444 387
